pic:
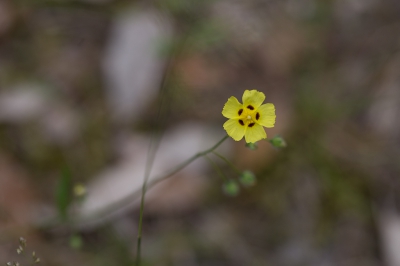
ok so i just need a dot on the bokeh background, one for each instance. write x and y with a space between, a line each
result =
86 84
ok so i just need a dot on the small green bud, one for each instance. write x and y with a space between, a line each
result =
278 142
79 190
252 146
247 179
76 242
231 188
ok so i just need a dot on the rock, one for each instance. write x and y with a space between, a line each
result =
28 102
22 103
61 125
132 64
385 109
389 227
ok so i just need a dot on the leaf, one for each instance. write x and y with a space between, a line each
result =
63 193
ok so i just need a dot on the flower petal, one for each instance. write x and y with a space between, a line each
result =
267 115
234 129
231 108
253 98
255 133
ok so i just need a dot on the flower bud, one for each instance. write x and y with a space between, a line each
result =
278 142
247 179
231 188
252 146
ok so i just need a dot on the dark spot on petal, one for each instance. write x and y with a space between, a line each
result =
240 111
241 122
257 116
251 124
250 107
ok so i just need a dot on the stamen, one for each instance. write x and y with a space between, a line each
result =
249 117
241 122
251 124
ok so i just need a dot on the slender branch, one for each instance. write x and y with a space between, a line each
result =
227 161
155 181
153 147
187 162
216 168
149 164
169 68
127 201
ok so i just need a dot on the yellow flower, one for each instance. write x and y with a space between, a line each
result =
249 118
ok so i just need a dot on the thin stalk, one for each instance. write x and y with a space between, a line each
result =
216 168
150 160
139 192
228 162
155 181
151 154
169 68
187 162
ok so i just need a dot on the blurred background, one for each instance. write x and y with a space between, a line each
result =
86 84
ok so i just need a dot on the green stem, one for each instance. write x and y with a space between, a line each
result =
228 162
155 181
153 148
216 168
139 192
149 164
187 162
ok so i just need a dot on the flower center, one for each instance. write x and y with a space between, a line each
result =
248 116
